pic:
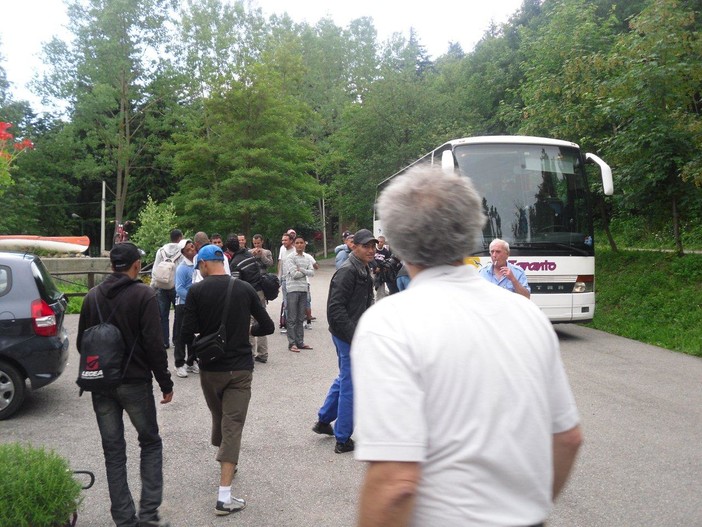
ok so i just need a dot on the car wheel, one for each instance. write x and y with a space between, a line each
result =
12 390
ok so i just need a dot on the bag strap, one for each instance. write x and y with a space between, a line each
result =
222 326
114 310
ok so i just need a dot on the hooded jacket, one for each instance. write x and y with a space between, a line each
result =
131 306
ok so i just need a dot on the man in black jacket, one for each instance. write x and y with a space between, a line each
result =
225 382
350 294
132 307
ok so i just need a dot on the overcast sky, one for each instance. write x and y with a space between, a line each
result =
25 25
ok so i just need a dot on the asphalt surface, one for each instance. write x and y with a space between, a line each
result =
641 464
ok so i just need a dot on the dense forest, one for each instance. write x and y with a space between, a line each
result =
227 121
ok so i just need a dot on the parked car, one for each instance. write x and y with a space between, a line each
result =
33 340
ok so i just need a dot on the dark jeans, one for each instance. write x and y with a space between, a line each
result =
138 401
179 348
166 299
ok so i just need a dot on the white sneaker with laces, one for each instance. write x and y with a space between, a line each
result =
195 368
181 371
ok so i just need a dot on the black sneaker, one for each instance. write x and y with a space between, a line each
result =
154 523
261 360
323 428
222 509
342 448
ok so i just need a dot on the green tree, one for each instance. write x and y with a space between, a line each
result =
338 66
104 73
653 99
397 121
249 172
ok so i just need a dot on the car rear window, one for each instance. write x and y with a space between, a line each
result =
45 284
5 280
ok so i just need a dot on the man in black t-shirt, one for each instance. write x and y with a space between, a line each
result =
226 382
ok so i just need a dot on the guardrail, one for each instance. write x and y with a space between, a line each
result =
91 275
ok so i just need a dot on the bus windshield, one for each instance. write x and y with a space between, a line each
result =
534 196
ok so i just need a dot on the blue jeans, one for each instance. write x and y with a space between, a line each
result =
339 402
166 299
138 401
402 282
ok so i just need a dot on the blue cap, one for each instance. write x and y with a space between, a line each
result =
209 253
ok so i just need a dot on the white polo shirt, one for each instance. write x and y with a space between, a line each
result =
466 379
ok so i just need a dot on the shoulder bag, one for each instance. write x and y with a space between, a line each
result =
209 348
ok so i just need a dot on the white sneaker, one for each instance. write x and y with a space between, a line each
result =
181 371
222 509
284 330
307 326
195 368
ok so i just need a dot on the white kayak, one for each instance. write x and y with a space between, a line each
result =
62 244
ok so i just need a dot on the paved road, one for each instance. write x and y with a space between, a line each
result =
641 464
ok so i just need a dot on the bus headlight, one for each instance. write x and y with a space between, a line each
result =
584 284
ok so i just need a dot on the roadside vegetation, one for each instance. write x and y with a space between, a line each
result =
648 293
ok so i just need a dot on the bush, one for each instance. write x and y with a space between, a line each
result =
37 488
156 221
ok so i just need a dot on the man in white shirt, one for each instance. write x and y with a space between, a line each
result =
286 249
463 408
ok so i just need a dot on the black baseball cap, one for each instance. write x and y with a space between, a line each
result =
124 254
363 236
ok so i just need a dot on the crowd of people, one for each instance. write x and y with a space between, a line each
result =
454 393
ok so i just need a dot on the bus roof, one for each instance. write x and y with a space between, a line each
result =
512 139
489 139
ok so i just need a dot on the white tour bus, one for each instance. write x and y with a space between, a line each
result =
535 195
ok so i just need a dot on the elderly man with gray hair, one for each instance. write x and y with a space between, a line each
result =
503 273
463 408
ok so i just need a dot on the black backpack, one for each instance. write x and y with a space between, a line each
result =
102 353
270 285
247 270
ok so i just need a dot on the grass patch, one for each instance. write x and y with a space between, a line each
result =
652 297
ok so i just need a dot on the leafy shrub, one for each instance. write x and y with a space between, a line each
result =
156 221
37 488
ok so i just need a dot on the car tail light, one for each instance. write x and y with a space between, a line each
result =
43 319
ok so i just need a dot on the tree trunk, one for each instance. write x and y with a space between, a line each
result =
676 228
605 224
123 147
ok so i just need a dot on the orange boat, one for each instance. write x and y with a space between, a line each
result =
63 244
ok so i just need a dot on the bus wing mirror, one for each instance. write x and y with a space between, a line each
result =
605 170
447 164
